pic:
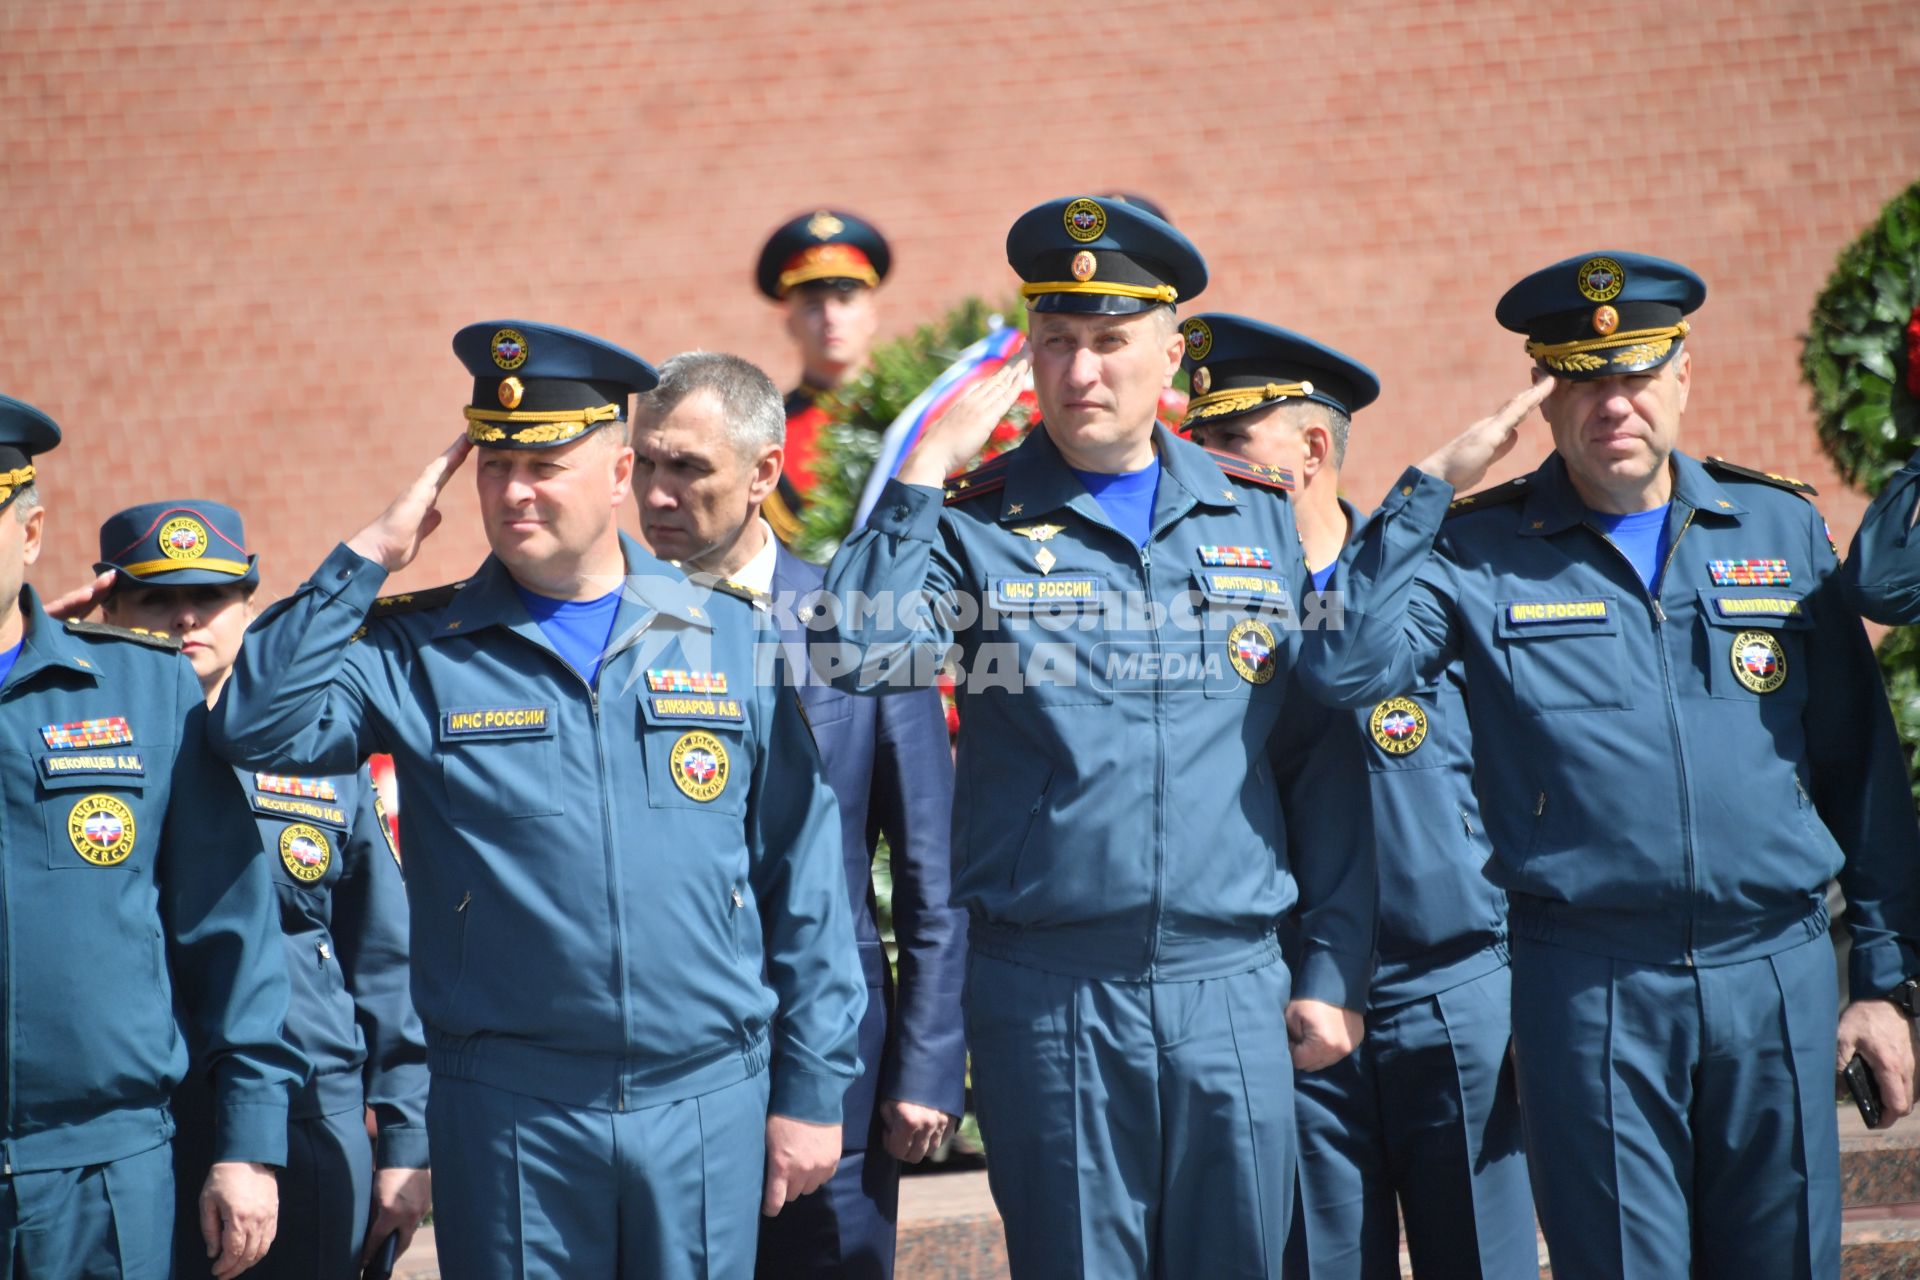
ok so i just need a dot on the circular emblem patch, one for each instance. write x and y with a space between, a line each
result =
1399 726
1085 220
1199 338
1250 649
1605 320
699 765
1084 264
1601 279
305 852
509 349
183 538
101 829
1759 662
511 392
1201 381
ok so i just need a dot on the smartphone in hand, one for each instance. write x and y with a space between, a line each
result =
1865 1091
381 1268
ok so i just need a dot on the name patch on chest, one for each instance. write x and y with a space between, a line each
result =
127 764
102 731
313 811
1534 612
469 721
1757 606
672 707
1246 588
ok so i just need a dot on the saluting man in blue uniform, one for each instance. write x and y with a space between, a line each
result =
182 568
1680 737
630 938
131 889
1420 1123
707 456
1136 778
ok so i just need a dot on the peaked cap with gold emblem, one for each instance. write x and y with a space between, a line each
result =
1235 365
1603 314
1101 256
184 542
830 246
538 385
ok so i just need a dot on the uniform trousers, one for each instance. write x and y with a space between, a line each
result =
103 1222
526 1189
1420 1122
1135 1128
1680 1119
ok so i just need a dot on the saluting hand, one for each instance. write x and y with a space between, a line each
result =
959 433
800 1158
81 601
1464 460
394 539
1320 1034
1881 1034
239 1213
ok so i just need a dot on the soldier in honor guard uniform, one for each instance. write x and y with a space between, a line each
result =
1681 737
132 894
1421 1122
824 269
707 455
1881 576
1137 782
629 924
182 568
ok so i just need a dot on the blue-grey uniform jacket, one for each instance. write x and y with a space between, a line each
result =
131 886
343 912
1130 743
612 887
891 767
1881 577
1442 920
1668 778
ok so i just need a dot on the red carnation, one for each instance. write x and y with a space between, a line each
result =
1913 352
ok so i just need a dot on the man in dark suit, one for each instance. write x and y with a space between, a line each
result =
708 452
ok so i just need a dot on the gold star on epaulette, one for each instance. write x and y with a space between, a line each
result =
963 483
1228 495
1014 509
1722 502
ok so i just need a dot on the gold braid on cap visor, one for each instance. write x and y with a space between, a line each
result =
1234 399
1632 346
11 482
141 568
554 425
1158 293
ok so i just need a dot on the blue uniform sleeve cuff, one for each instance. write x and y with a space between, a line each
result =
401 1147
1334 977
907 511
1877 968
254 1132
807 1095
1418 496
349 577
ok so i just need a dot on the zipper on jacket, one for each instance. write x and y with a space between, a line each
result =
1673 712
1158 903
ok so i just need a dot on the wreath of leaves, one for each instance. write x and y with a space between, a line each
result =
1861 359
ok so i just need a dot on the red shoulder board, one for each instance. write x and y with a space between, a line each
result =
1253 472
985 478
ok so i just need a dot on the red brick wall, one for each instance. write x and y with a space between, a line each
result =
237 235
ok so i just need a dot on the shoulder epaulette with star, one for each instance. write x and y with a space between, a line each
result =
1512 491
1253 472
414 601
738 590
139 635
985 478
1720 466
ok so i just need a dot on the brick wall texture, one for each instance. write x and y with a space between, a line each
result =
237 235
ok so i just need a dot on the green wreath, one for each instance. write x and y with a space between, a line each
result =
1861 357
